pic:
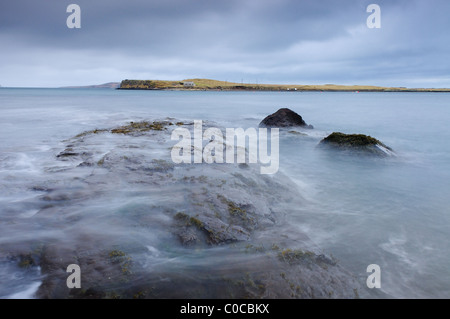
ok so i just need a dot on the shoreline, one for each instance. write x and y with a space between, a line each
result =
214 85
299 91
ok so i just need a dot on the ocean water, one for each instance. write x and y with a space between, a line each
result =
393 212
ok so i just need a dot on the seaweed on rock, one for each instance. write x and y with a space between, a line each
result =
356 143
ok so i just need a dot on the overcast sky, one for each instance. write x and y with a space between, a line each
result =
264 41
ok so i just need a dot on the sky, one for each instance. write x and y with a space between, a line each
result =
250 41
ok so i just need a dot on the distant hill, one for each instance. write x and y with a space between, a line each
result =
207 84
109 85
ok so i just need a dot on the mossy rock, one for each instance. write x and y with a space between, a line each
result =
358 143
143 126
290 256
96 131
351 139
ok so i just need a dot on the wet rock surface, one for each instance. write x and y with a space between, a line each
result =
140 226
356 143
284 117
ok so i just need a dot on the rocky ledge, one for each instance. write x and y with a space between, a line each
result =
140 226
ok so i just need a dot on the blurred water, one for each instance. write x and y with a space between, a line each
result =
391 212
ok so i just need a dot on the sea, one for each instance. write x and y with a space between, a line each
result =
393 212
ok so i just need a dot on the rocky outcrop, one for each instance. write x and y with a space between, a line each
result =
356 143
140 226
284 117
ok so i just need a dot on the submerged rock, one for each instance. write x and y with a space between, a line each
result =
357 143
284 117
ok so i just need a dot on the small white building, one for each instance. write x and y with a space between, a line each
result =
189 84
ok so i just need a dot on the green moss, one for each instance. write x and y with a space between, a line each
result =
132 127
296 290
120 257
233 208
121 130
143 126
351 139
256 249
181 216
96 131
188 220
101 161
291 256
157 126
26 261
116 253
196 222
355 143
275 247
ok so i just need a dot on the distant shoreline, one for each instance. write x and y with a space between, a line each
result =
214 85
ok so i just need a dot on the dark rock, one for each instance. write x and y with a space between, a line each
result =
67 153
326 260
221 233
357 143
284 118
41 188
26 261
86 164
188 236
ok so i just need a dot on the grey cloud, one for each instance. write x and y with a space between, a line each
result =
273 41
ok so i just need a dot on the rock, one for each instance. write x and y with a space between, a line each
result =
284 118
356 143
297 133
68 152
140 226
139 127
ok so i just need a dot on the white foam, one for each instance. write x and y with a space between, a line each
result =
28 293
395 246
154 252
385 150
29 213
